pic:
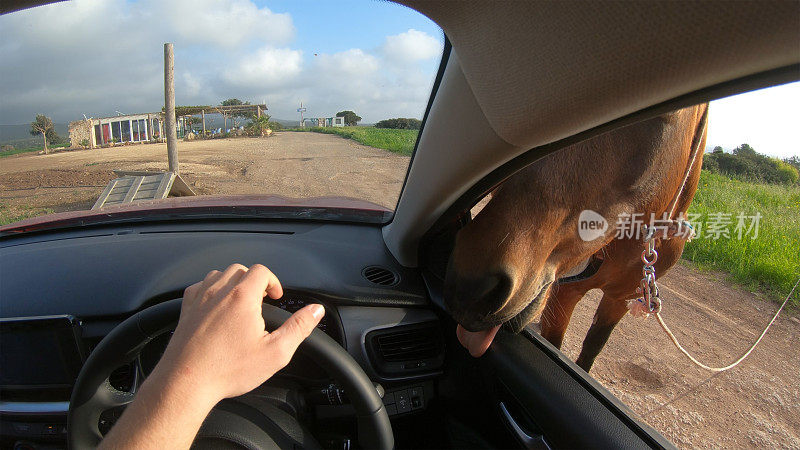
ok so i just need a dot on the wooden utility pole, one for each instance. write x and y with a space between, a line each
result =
169 107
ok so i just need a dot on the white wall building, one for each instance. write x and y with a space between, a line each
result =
324 122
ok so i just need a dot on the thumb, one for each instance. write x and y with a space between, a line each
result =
297 328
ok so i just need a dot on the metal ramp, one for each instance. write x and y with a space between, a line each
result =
139 186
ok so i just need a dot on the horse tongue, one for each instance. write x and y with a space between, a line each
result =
476 342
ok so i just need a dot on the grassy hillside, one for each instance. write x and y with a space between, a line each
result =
396 141
769 262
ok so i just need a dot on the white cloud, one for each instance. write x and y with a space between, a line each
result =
266 68
90 57
225 22
412 45
353 62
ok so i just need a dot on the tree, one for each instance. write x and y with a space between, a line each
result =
350 118
747 164
44 126
746 151
710 162
718 149
244 114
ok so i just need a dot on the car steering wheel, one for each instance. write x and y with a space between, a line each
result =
229 425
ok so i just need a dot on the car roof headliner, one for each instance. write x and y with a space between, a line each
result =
570 66
526 76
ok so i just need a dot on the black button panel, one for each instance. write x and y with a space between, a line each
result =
404 400
33 429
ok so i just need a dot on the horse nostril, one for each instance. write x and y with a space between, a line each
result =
499 295
484 287
480 297
489 294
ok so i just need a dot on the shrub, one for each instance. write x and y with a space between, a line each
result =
787 173
400 123
710 162
747 164
736 166
258 126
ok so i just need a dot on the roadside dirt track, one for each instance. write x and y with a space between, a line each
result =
288 164
756 404
753 405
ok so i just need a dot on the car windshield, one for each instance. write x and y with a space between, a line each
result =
272 98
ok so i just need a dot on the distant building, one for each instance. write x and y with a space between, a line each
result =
133 128
324 122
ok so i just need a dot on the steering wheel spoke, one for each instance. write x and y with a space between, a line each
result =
109 397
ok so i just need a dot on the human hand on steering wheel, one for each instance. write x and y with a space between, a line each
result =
219 349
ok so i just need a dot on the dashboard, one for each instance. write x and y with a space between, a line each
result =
98 276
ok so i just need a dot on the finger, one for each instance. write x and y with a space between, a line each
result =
259 280
226 281
210 278
295 330
191 292
191 295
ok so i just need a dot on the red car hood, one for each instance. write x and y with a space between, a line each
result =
230 206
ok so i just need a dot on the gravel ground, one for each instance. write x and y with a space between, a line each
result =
288 164
756 404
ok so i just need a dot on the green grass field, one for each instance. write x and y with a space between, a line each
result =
396 141
769 262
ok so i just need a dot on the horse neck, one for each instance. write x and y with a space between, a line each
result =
636 169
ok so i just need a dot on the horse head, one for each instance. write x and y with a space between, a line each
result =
555 214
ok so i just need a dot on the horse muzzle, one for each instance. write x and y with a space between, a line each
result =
477 303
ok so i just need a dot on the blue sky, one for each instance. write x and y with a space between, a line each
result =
333 26
377 58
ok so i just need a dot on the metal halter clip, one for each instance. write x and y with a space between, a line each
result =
649 302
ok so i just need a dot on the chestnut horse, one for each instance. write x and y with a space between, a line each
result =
508 264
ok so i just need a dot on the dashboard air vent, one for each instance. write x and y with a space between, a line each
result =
406 349
380 275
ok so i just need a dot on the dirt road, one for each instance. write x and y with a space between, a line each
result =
288 164
757 404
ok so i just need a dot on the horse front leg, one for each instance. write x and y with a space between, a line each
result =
558 310
610 311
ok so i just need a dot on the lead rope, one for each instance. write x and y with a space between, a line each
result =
650 303
745 355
